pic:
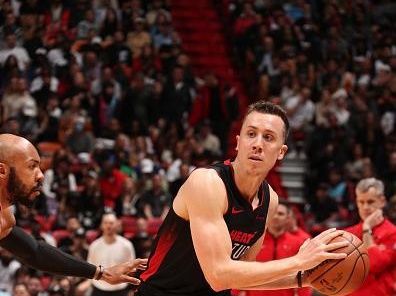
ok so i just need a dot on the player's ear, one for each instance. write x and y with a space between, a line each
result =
237 146
282 152
3 170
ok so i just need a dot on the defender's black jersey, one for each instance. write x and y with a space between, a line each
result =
173 267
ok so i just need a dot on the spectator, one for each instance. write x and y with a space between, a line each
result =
35 286
155 202
110 248
81 139
379 235
138 38
111 184
59 182
11 48
8 268
20 289
128 203
85 25
16 98
208 140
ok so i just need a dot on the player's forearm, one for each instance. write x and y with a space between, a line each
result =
253 274
42 256
287 282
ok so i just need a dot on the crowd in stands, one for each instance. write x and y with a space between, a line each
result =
109 97
331 65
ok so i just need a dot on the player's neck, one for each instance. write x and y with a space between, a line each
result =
247 186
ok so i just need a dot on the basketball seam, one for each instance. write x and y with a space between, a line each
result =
361 256
350 274
339 261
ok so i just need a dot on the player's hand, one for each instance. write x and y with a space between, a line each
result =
373 219
124 272
318 249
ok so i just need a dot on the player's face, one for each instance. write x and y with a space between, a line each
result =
369 201
261 141
25 178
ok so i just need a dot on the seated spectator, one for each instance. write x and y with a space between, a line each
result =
35 286
8 267
128 202
138 38
209 141
59 182
87 24
16 98
20 289
11 48
81 139
155 202
111 183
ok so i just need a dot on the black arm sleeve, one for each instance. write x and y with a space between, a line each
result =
45 257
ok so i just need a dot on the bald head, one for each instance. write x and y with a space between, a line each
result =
20 174
12 146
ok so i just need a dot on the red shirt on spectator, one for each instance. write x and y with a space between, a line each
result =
382 276
286 245
111 187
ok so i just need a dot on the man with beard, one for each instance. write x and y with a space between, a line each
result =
20 182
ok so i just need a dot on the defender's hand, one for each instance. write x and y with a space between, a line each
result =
123 273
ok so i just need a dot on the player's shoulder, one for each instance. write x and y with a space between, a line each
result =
203 176
203 184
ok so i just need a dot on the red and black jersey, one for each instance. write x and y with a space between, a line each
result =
173 267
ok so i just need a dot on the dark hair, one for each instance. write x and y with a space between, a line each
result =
266 107
285 203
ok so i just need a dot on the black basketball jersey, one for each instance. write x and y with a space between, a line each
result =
173 267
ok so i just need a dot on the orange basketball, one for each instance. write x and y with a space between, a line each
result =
341 277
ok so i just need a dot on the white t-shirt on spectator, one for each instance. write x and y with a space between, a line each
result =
102 253
20 54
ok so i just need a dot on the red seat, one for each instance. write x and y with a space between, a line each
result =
46 223
91 235
129 226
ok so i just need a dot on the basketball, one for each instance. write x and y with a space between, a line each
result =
341 277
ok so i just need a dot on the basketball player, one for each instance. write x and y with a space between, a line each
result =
218 219
379 235
20 181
